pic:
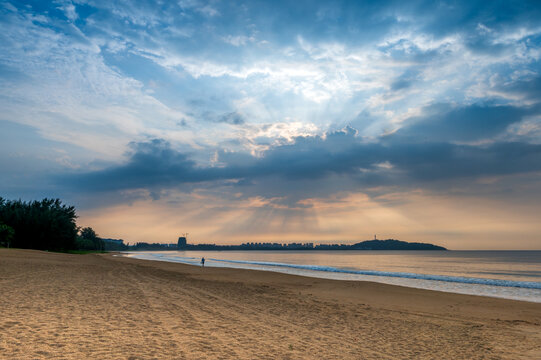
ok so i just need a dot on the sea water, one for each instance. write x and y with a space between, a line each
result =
504 274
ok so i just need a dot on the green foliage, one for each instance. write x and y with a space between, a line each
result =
114 245
89 240
42 225
88 233
6 234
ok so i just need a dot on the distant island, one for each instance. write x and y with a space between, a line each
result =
182 244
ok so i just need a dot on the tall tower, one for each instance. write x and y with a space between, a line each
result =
182 241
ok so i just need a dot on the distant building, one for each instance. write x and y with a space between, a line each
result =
182 242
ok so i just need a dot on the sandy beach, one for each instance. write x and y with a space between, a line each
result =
102 306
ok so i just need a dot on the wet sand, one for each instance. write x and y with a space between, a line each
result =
103 306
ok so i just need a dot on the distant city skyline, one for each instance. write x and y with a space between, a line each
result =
278 121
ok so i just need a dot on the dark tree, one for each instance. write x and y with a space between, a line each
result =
88 233
6 235
42 225
89 240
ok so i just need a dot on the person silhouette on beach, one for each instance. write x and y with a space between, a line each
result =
203 262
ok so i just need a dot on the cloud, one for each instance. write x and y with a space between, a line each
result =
406 80
69 10
281 170
56 80
447 123
151 164
278 106
233 118
528 88
30 162
463 17
334 63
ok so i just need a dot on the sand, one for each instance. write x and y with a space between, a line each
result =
103 306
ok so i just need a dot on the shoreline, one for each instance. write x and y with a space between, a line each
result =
223 272
106 306
529 291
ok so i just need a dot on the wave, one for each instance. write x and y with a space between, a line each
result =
453 279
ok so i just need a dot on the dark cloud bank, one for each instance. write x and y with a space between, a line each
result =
447 144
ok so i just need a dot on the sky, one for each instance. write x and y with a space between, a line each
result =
278 121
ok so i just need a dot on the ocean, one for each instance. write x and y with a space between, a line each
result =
503 274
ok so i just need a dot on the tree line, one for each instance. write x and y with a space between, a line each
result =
44 225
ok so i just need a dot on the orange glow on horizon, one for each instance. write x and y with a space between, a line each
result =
342 218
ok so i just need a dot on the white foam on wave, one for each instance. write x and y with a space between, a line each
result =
330 269
454 279
507 289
